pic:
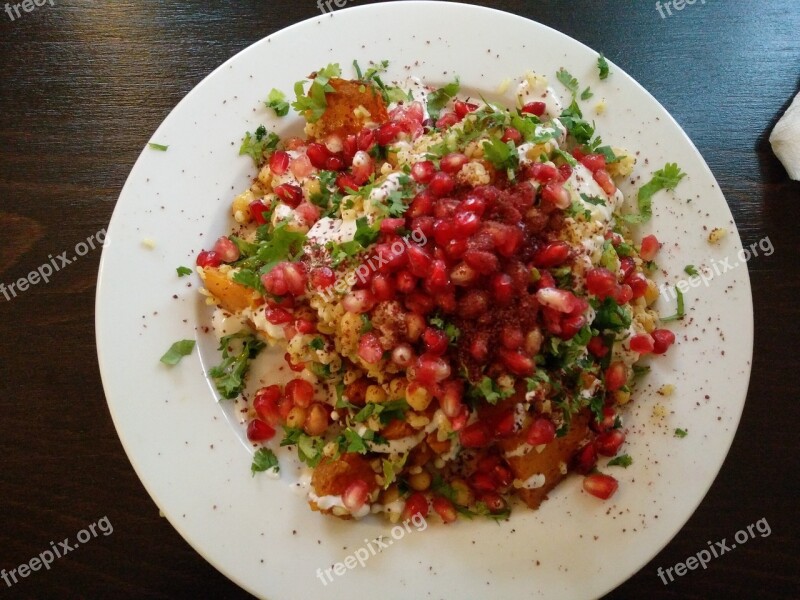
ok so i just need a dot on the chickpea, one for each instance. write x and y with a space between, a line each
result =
375 394
418 397
390 494
296 417
462 493
317 420
439 447
415 325
420 481
397 388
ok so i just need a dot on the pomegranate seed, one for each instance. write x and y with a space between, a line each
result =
560 300
265 404
416 504
383 288
650 247
494 502
517 362
259 431
419 261
571 325
462 109
349 148
447 120
616 376
604 180
308 212
474 436
511 135
421 205
608 421
479 348
318 154
290 194
662 340
322 278
546 280
435 341
451 400
586 459
257 210
566 171
300 392
387 133
295 276
638 283
578 154
642 343
278 316
305 326
543 173
452 163
355 495
455 249
363 166
441 184
473 304
542 431
402 355
465 224
463 275
423 171
597 347
369 348
609 442
208 258
359 301
483 262
366 140
479 481
275 281
445 509
296 367
439 278
511 337
552 254
405 282
600 485
346 183
622 294
279 162
419 303
505 425
593 162
334 163
534 108
431 369
600 282
502 288
472 204
555 194
390 225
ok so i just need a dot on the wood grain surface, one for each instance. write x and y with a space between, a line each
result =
83 85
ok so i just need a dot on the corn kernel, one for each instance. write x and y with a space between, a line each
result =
666 389
621 397
716 235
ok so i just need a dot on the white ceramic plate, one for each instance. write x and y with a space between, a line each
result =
188 450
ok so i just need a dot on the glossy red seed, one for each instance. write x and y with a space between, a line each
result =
543 173
534 108
383 288
562 301
278 316
542 431
445 509
626 267
608 421
600 282
416 504
650 247
358 301
600 485
609 442
318 154
435 341
479 481
419 261
622 294
300 392
517 362
290 194
441 184
346 183
473 304
474 436
452 163
593 162
585 459
597 347
265 403
502 288
419 303
369 348
366 140
405 282
447 119
465 224
662 340
423 171
296 367
257 210
259 431
208 258
511 135
322 278
462 109
642 343
552 254
387 133
616 376
511 337
355 495
279 162
479 348
638 283
604 180
483 262
555 194
473 204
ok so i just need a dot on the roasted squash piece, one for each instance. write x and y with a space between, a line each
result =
331 477
232 296
350 109
549 462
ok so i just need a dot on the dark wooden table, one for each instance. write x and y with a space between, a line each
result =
83 86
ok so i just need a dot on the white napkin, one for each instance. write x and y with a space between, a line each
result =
785 139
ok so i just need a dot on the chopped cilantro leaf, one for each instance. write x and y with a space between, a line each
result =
317 343
183 271
263 460
503 155
610 315
576 125
568 158
681 433
391 468
623 460
366 233
159 147
607 153
281 244
256 145
595 200
249 278
229 375
277 102
587 93
489 391
366 323
438 100
567 80
309 448
177 351
602 66
663 179
691 270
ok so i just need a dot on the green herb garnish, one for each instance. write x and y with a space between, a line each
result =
277 102
263 460
177 351
229 375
